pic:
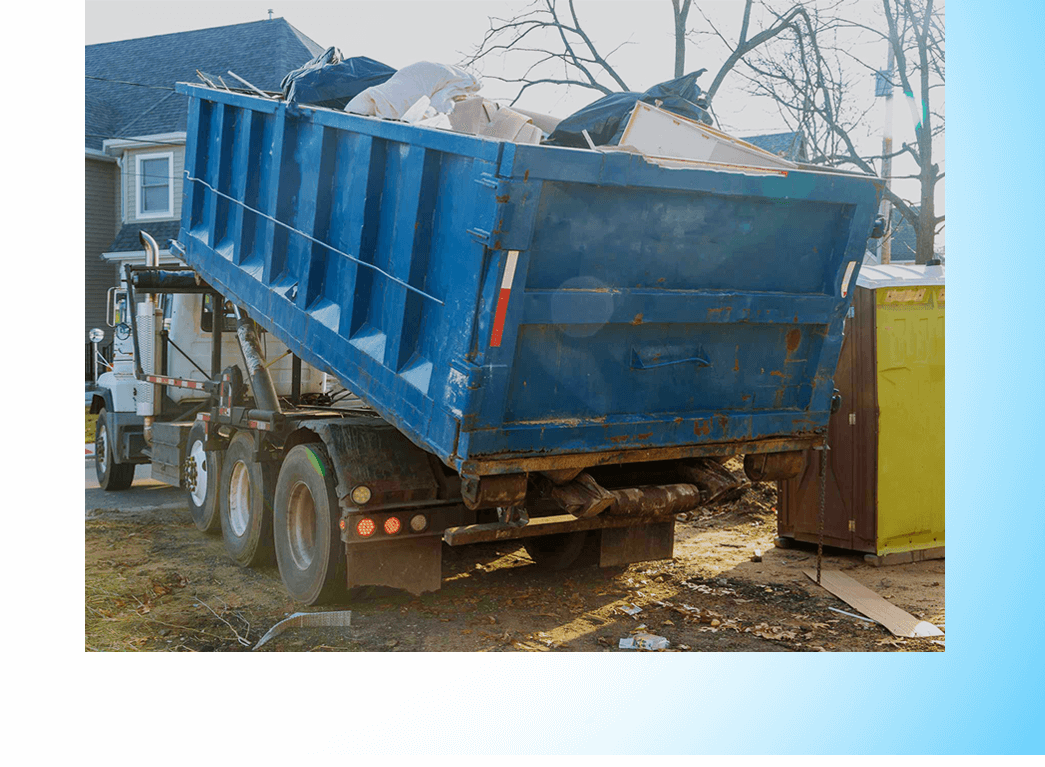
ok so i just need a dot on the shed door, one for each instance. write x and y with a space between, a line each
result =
799 506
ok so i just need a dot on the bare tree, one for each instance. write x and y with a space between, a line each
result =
550 40
554 47
817 84
786 50
681 9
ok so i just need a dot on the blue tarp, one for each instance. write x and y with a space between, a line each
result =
606 118
330 81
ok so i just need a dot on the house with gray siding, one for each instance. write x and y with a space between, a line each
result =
134 134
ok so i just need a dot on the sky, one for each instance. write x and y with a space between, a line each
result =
400 32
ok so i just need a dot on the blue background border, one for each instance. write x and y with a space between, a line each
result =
983 695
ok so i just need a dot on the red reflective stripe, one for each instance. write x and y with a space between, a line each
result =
498 322
185 384
502 298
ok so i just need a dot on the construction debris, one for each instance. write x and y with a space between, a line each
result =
897 621
644 642
334 619
440 84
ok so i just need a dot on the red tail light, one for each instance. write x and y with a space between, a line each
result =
392 525
365 527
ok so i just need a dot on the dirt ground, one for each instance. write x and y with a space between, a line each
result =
153 582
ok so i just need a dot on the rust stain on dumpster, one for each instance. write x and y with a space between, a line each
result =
626 437
794 338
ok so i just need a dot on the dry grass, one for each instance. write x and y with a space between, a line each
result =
88 428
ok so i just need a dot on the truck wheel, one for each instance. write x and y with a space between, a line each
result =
309 551
245 499
202 489
111 475
556 552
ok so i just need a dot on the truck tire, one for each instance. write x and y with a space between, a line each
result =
111 475
556 552
309 551
245 498
203 497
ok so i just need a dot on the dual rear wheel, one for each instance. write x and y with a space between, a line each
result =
268 512
245 500
309 551
293 517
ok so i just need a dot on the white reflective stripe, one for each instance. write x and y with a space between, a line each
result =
509 269
185 384
848 276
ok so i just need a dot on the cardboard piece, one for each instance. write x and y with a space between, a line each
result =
479 117
858 596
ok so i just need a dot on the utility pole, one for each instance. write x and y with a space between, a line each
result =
885 244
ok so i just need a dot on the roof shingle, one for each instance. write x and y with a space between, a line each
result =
127 239
262 52
790 146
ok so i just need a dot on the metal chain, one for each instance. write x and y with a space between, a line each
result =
823 497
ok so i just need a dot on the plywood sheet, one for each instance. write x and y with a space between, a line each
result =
899 622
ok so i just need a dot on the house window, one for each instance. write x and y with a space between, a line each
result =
155 185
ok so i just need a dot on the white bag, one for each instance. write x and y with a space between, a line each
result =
440 83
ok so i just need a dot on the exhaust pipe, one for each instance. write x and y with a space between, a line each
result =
152 250
152 260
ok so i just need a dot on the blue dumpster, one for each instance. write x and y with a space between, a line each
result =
522 308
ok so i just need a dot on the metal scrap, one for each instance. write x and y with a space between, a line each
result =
334 619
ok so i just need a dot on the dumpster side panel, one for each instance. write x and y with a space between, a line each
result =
353 246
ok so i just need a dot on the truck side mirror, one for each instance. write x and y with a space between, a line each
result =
115 307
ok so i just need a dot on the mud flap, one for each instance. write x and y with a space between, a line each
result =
415 565
626 545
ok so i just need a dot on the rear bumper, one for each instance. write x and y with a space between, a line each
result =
510 464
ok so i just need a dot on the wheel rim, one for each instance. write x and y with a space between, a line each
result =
301 525
101 448
199 457
239 498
